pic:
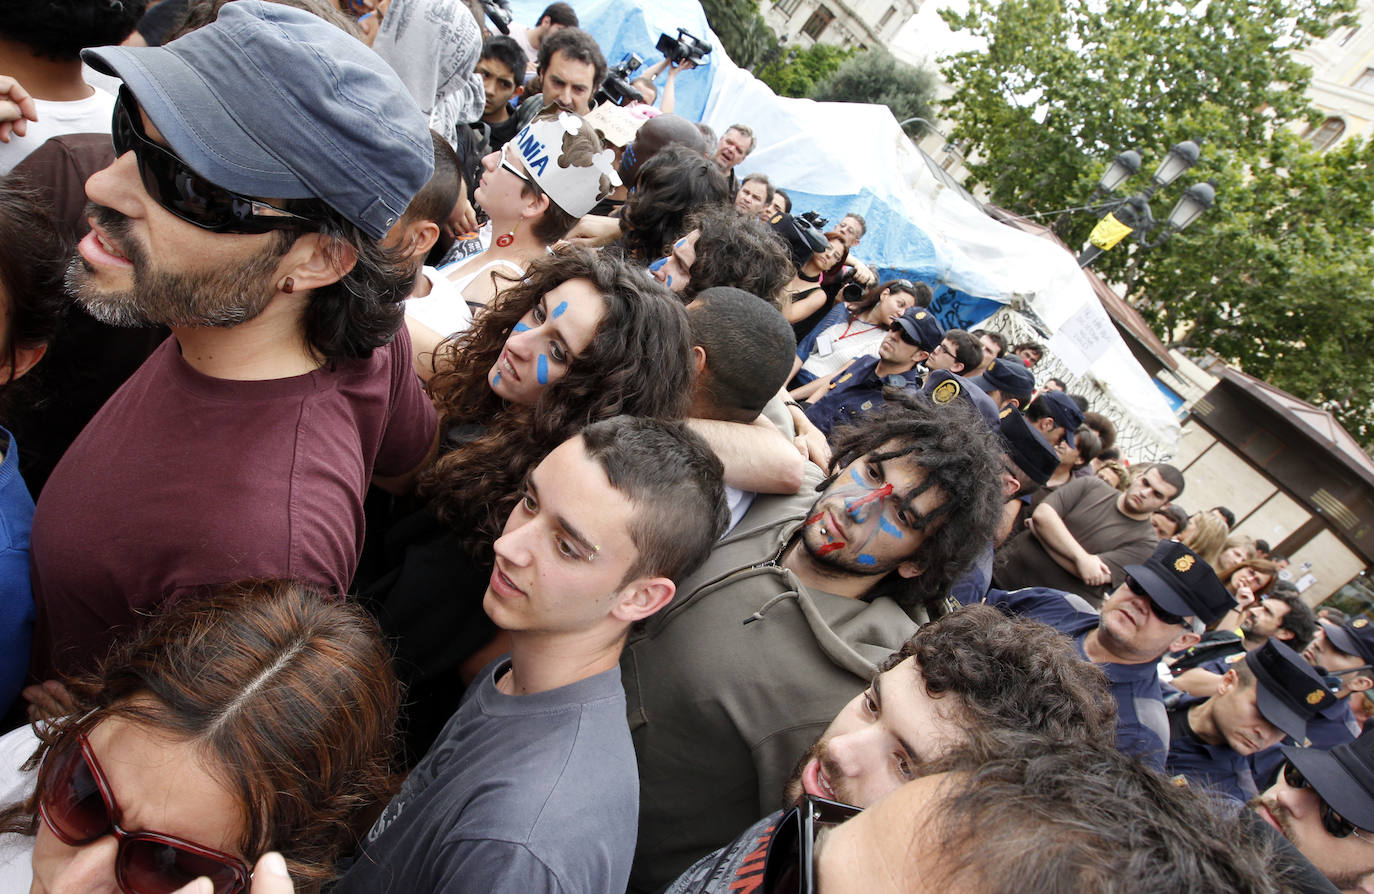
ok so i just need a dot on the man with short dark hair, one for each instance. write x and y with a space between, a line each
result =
974 681
502 68
734 146
994 346
1007 382
790 615
243 447
852 228
1163 605
1281 616
754 194
554 18
957 352
1031 352
1057 416
569 72
1082 536
607 523
723 248
1268 694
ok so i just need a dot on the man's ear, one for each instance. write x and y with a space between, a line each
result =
698 359
910 568
1358 682
642 598
1046 424
420 238
1228 681
1281 633
316 260
1013 402
1183 641
519 92
1364 885
535 205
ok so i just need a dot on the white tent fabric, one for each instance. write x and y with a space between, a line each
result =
835 158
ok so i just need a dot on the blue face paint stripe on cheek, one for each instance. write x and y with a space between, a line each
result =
496 380
521 327
558 311
854 473
890 528
542 371
866 559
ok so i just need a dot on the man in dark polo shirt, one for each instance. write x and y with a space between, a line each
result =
858 388
1082 536
1270 692
1164 603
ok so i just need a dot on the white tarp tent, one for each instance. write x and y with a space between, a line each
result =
840 157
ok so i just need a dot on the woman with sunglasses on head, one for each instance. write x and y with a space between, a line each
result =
257 719
855 329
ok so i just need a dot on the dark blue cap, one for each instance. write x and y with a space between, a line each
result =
274 102
1354 637
1027 447
1065 412
943 387
1007 376
1290 691
921 325
1178 581
1342 776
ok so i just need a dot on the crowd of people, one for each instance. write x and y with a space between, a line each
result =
411 482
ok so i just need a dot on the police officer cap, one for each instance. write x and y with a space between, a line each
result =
1290 691
1342 776
1027 447
1180 582
943 387
922 327
1355 637
1007 376
1064 410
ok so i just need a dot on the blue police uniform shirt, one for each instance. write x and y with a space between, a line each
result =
973 586
1216 767
1142 724
855 392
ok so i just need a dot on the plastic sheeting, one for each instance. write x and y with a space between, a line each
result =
835 158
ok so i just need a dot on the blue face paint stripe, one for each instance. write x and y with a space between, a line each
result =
866 559
521 327
854 473
496 380
558 311
542 371
889 527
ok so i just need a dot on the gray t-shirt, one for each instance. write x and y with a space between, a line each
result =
736 868
520 793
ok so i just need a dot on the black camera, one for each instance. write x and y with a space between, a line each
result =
617 88
684 48
499 13
804 235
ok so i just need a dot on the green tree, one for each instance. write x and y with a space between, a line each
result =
876 76
1279 275
800 72
746 37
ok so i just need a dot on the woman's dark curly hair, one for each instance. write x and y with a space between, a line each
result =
920 295
288 692
61 29
671 186
33 261
639 363
961 458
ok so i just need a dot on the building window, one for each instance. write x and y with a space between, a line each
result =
1365 81
787 7
1325 137
887 17
818 22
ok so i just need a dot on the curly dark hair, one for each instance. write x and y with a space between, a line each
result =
577 45
920 293
962 459
33 262
673 184
639 363
290 694
61 29
1013 677
734 250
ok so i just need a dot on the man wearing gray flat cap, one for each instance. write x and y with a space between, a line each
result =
260 161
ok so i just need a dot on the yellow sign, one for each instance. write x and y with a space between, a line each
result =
1108 232
1183 563
945 392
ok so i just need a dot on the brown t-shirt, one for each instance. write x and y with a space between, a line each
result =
1088 508
183 481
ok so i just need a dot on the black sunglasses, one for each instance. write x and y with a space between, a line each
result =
906 336
790 866
1335 825
183 192
1156 609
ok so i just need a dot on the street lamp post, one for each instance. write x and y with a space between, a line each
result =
1131 216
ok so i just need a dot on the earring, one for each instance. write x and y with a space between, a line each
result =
505 239
288 285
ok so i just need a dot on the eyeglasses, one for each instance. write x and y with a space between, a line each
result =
906 336
183 192
790 866
518 174
1335 825
79 807
1163 614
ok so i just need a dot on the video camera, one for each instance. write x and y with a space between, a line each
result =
617 88
684 48
804 234
499 13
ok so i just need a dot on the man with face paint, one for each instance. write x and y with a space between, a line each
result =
788 617
975 680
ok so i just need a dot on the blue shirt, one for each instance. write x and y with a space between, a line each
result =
16 597
973 586
856 392
1217 767
1142 725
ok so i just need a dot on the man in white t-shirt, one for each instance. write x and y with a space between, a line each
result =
40 47
555 16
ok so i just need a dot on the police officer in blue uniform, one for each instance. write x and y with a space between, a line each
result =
1008 382
1271 692
858 388
1164 603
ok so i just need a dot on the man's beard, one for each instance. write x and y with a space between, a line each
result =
793 792
218 297
1343 881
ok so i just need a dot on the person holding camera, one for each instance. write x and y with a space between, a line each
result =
854 328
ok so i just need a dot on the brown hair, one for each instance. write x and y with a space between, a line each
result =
1263 566
288 691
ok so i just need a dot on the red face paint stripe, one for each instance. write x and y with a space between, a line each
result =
830 547
878 494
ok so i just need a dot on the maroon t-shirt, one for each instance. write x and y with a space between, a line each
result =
183 481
